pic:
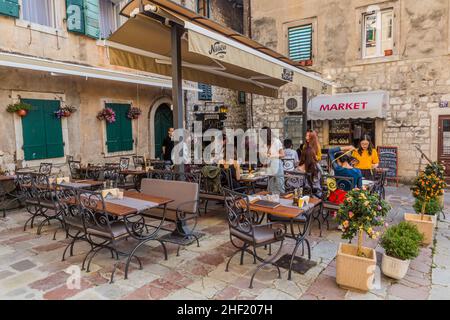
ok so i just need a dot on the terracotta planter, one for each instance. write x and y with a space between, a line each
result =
353 272
389 52
425 226
21 113
309 63
394 268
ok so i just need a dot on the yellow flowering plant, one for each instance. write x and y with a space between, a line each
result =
427 187
361 212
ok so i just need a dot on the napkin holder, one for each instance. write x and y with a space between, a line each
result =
62 180
111 193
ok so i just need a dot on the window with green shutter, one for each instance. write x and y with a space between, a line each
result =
83 17
206 92
300 42
119 134
42 131
9 8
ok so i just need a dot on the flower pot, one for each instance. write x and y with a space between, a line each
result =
67 114
309 63
425 226
389 52
393 267
21 113
353 272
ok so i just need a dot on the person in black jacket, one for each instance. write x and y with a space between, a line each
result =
168 145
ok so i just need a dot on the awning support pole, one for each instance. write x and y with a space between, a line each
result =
305 111
177 89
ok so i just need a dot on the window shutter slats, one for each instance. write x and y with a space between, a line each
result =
53 130
300 42
92 18
120 133
9 8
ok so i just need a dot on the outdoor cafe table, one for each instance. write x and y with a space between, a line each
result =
251 180
129 211
289 215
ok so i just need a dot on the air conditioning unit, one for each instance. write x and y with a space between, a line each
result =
293 104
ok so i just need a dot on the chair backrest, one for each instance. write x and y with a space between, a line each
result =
240 217
124 163
42 189
160 174
67 198
138 162
111 173
336 182
212 179
179 191
92 172
45 168
91 206
75 168
288 165
295 180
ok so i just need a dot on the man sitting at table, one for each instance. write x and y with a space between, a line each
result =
341 163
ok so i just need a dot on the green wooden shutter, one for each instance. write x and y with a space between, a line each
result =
92 18
75 15
53 130
206 92
9 8
120 133
300 43
33 132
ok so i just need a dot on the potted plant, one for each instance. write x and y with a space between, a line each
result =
65 111
432 207
107 114
20 108
388 52
359 214
134 113
427 187
401 244
309 63
439 170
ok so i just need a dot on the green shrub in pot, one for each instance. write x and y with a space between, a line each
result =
432 207
401 244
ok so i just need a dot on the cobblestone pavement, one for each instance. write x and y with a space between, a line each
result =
31 267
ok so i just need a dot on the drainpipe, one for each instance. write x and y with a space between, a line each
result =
249 26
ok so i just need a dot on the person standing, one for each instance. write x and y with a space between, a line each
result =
312 141
273 152
168 145
367 158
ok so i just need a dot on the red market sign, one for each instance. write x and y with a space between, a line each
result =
344 106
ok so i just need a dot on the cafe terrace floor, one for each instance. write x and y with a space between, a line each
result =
31 267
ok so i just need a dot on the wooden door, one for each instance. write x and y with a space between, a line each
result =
444 144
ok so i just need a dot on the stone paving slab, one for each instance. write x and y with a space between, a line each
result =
31 266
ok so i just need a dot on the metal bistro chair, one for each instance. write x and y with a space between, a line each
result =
102 230
71 217
44 198
8 195
288 165
93 172
45 168
244 226
110 174
139 162
75 169
380 182
124 163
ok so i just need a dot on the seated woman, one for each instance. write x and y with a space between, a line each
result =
341 163
367 158
235 169
308 164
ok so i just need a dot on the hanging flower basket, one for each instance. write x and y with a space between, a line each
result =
134 113
65 112
20 108
107 115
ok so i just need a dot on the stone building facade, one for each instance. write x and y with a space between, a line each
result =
49 38
416 73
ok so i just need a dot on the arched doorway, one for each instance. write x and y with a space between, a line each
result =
163 120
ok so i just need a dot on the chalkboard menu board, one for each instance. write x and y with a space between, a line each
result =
389 160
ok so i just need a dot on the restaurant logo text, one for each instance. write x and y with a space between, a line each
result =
218 49
344 106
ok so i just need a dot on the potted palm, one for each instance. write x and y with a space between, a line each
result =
401 244
359 214
427 187
21 108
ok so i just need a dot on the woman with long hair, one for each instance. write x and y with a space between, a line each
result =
367 157
312 141
309 165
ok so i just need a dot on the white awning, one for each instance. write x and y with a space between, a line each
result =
361 105
63 68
